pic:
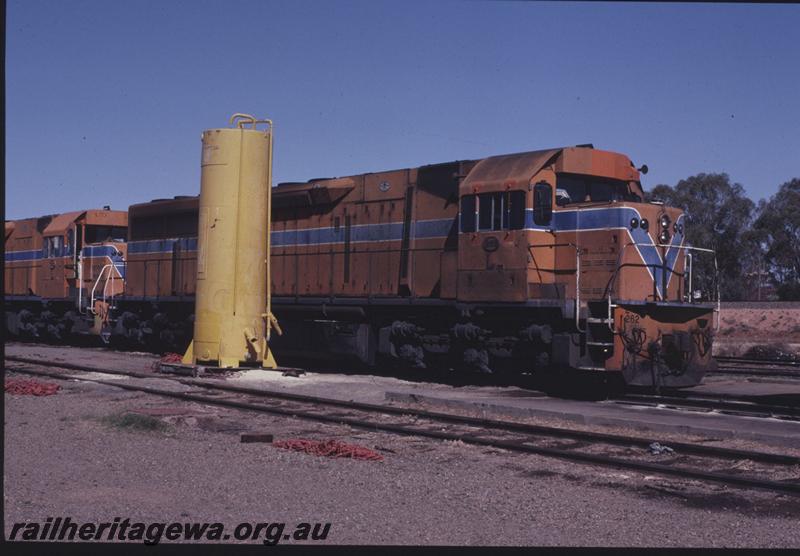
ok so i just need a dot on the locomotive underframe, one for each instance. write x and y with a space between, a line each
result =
536 336
532 337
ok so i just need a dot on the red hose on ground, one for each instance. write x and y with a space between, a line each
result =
22 387
329 448
168 358
171 358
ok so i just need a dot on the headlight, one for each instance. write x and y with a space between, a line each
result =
664 237
665 221
644 224
634 223
680 229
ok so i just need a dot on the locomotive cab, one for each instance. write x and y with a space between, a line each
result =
566 234
84 262
74 236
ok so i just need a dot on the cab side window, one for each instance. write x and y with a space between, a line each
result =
490 211
517 209
70 242
542 203
468 213
493 211
49 248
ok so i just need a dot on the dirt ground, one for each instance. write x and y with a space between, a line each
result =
745 325
74 454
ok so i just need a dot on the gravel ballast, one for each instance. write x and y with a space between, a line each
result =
66 455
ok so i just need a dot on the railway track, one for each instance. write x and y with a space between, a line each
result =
790 362
742 406
688 461
758 367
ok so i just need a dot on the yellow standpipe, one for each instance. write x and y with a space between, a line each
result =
233 315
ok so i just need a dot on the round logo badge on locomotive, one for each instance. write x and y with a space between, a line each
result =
490 244
384 186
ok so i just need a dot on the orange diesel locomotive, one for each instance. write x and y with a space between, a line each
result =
62 273
524 262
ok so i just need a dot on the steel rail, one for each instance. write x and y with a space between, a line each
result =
482 422
515 445
691 394
758 360
754 372
709 402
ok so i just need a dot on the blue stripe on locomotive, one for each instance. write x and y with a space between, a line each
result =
161 245
17 256
616 218
563 221
88 252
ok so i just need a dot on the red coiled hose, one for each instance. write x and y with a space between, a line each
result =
328 448
22 387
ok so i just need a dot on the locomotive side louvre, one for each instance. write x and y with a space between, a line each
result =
23 254
158 307
390 241
433 225
162 249
353 240
383 236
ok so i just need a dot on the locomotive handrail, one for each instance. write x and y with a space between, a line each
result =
577 276
620 265
96 282
663 267
80 283
109 266
108 280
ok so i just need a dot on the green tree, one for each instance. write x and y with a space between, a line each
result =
719 217
778 226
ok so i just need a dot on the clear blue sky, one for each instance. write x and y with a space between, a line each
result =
106 100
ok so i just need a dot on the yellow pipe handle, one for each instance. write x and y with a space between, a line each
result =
273 322
242 120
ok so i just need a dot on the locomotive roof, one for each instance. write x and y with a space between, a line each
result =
311 193
508 167
60 223
514 169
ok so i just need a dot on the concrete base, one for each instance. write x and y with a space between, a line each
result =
200 370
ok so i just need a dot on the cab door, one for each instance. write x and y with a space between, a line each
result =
545 251
492 253
52 282
71 262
